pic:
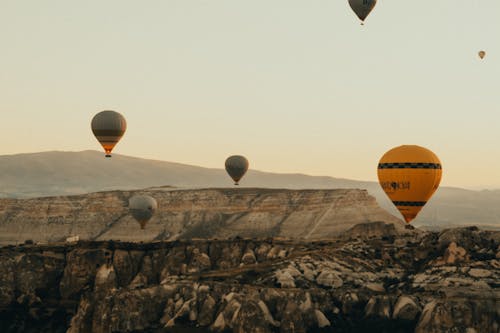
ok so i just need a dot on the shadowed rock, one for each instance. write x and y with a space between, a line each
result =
293 286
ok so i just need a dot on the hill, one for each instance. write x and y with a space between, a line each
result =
67 173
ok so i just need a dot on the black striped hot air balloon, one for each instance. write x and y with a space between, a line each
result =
108 127
409 175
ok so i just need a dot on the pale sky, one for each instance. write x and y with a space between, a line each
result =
294 85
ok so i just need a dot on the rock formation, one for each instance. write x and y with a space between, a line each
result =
186 214
372 284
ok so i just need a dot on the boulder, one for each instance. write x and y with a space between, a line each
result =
379 307
328 278
406 309
454 254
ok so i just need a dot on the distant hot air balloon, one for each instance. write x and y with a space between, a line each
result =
481 54
409 175
362 8
142 208
236 167
108 128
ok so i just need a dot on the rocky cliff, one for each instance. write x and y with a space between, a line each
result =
419 282
186 214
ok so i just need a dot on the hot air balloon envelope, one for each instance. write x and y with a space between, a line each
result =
362 7
108 128
236 167
142 208
409 175
481 54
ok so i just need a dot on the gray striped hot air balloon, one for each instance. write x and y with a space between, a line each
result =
108 127
236 167
142 208
362 8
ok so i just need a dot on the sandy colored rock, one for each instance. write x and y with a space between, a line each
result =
322 320
480 273
455 316
454 254
376 287
285 279
212 213
249 258
406 309
329 278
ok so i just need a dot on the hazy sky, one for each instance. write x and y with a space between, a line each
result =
295 85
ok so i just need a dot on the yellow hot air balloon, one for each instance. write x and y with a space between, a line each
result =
409 175
481 54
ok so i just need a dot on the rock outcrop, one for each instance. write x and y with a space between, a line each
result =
186 214
250 285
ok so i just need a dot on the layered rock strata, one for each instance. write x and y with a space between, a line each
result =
187 214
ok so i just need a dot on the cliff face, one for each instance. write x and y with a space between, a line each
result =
186 214
418 282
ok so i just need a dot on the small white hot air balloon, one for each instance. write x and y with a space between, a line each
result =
142 208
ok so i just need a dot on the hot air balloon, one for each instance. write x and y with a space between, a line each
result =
409 175
108 128
142 208
362 8
481 54
236 167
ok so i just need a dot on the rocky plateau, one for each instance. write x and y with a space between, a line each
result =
186 214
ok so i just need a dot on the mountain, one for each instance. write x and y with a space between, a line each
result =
67 173
64 173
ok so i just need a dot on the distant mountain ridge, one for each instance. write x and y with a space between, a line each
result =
57 173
